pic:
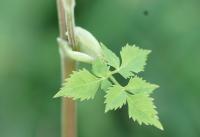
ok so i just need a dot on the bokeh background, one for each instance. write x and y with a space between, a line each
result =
30 69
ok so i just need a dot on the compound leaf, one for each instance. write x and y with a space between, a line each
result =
81 85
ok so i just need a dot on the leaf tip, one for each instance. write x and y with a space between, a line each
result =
160 127
56 95
148 51
156 86
106 109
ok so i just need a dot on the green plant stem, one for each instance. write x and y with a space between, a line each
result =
68 106
114 80
69 6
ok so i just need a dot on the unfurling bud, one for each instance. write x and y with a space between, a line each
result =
88 43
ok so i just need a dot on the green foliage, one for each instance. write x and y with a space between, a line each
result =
142 109
133 60
110 57
99 68
83 85
138 85
105 84
115 97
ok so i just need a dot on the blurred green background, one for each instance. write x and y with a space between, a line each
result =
30 69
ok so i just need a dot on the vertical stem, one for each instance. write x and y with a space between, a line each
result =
68 106
70 23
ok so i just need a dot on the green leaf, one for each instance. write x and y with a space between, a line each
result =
84 85
110 57
115 98
100 68
142 109
138 85
81 85
105 84
133 60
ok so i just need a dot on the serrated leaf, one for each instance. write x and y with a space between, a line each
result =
81 85
138 85
115 98
142 110
133 60
105 84
100 68
110 57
